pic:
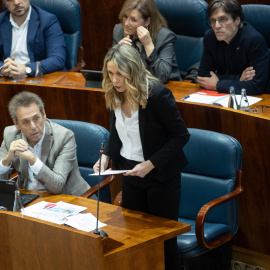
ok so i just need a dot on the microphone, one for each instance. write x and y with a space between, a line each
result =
97 230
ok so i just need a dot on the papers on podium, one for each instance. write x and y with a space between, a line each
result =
63 213
53 212
84 222
211 97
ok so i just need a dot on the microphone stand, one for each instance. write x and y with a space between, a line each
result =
97 230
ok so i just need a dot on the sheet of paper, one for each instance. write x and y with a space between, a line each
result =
53 212
210 97
205 97
109 172
84 222
251 100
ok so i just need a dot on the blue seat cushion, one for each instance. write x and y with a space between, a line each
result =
187 242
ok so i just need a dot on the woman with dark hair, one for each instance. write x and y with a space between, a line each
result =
143 27
147 136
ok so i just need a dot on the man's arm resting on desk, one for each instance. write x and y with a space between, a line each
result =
209 83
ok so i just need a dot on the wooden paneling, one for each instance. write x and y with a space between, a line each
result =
63 103
98 20
135 240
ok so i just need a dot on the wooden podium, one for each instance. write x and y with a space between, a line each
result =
135 240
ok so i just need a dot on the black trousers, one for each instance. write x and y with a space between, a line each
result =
150 196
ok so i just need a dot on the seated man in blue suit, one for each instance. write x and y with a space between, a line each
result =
29 34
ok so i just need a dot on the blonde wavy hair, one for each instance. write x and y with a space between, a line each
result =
147 8
129 64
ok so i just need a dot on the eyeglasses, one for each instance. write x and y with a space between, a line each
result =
221 21
261 107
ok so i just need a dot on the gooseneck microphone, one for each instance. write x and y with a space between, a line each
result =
97 230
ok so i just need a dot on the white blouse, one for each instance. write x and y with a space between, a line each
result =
129 134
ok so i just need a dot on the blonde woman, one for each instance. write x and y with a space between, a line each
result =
143 27
147 135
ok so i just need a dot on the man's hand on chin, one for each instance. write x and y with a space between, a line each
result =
209 83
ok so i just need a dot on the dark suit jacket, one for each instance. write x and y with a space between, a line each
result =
247 48
45 40
163 135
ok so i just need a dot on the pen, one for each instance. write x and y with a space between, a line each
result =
185 98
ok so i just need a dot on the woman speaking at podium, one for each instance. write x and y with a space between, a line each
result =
147 135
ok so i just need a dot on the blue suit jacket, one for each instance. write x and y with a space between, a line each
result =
45 40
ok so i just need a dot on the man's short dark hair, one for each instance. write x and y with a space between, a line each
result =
24 99
231 7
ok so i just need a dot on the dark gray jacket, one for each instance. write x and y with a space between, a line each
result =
162 62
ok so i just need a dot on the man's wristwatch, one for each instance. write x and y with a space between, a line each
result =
28 71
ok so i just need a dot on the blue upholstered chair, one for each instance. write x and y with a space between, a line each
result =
88 139
188 20
210 185
259 17
68 13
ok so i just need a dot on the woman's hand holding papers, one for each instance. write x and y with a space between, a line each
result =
104 164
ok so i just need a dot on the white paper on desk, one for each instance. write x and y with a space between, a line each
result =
206 97
84 222
53 212
251 100
109 172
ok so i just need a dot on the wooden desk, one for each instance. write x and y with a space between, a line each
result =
135 240
64 96
252 131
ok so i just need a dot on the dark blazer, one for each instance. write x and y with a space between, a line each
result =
45 40
247 48
163 135
162 62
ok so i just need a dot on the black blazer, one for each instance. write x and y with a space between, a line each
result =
163 134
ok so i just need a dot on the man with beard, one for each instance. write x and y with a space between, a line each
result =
29 34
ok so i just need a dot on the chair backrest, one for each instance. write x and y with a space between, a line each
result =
68 13
188 20
213 159
88 139
259 17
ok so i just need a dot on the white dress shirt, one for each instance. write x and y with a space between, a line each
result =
19 40
32 183
128 132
